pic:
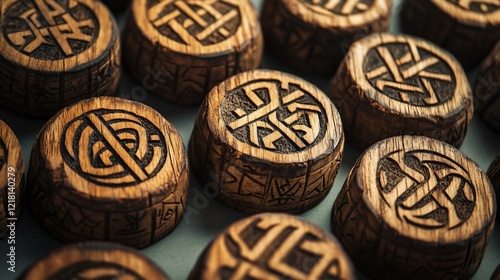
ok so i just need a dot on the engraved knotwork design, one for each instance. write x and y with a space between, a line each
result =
265 249
426 189
282 118
340 7
113 147
409 74
195 22
480 6
50 29
3 154
95 270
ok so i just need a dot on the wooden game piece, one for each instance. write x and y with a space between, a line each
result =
314 35
487 90
94 260
108 169
55 53
469 29
179 50
494 175
267 141
392 85
414 207
11 180
273 246
496 274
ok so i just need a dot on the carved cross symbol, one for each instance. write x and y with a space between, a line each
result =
61 33
405 68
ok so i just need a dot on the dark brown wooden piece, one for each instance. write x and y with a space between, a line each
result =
496 274
494 175
267 141
94 260
392 85
314 35
180 49
11 180
467 28
55 53
487 90
108 169
413 207
273 247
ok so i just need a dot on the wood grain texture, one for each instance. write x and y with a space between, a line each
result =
54 53
314 35
267 141
391 85
413 207
494 175
11 178
487 90
273 246
186 48
94 260
108 169
469 29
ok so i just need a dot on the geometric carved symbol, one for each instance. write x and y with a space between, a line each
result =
267 116
3 154
481 6
426 189
409 74
48 29
94 270
267 249
113 148
195 22
341 7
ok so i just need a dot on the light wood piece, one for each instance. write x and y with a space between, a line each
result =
267 141
11 180
413 207
108 169
494 175
467 28
487 90
314 35
53 54
273 246
94 260
180 49
392 85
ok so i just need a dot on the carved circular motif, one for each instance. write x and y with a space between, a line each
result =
479 6
274 115
340 7
409 73
113 147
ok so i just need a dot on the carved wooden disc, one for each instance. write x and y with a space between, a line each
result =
94 260
494 175
403 81
314 35
273 246
54 53
11 179
467 28
267 141
108 169
413 207
181 49
487 90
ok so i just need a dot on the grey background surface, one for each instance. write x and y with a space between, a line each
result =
177 253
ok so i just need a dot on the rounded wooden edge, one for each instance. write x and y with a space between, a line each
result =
462 95
330 142
316 16
99 252
467 17
162 185
14 157
102 45
213 256
477 224
248 30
